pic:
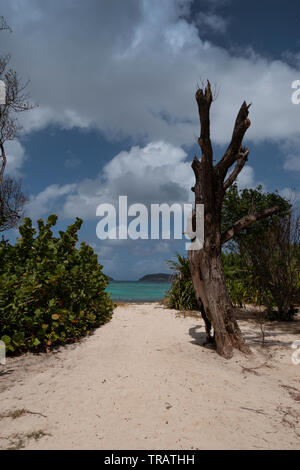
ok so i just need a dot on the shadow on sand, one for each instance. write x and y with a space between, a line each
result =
252 332
199 337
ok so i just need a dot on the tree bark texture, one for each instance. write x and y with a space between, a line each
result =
206 264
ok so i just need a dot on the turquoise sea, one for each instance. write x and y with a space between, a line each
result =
132 291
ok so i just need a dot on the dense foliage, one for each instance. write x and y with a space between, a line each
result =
50 291
274 265
181 295
238 204
261 265
268 251
239 280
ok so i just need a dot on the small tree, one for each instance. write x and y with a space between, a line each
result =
16 101
12 201
269 249
275 263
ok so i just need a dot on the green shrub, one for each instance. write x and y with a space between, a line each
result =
181 295
50 291
239 281
268 252
241 284
261 264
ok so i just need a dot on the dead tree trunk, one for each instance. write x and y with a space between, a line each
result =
206 264
2 168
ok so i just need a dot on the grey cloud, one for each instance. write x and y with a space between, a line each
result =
131 69
156 173
211 21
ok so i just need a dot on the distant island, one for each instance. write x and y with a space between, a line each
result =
160 277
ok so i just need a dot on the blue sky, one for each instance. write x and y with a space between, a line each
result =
115 83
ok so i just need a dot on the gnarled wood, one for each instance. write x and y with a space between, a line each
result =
206 264
3 163
240 163
241 126
245 221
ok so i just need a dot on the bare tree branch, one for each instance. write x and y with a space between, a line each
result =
12 201
245 221
16 101
241 125
4 25
196 166
243 157
204 99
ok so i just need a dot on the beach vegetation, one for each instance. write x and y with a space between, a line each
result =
261 264
52 291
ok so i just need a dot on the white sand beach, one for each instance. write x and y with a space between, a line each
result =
145 381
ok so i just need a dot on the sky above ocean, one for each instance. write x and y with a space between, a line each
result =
115 82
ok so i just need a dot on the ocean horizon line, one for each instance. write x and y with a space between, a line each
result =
138 280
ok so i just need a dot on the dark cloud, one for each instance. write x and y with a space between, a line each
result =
130 68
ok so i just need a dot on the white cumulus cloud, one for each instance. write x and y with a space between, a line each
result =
15 155
157 173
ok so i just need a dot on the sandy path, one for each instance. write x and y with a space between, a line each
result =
144 381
